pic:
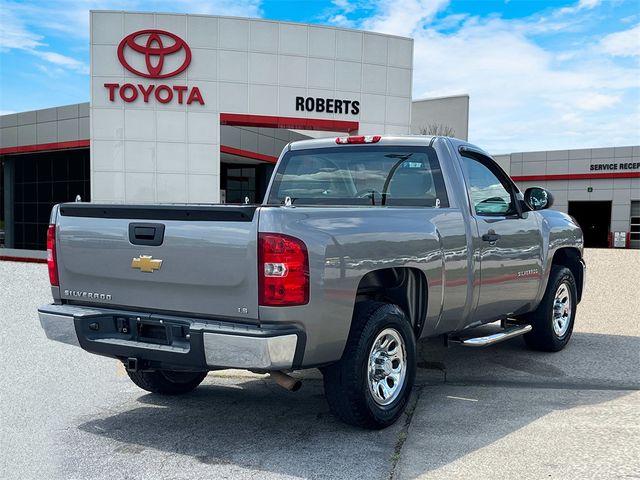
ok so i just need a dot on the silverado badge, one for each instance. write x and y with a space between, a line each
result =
146 263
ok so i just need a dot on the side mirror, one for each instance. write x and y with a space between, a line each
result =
537 198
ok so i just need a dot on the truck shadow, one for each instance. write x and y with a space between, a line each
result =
590 361
257 426
252 425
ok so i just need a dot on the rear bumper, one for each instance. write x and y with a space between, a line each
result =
165 341
59 327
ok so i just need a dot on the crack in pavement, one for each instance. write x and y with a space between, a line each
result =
402 434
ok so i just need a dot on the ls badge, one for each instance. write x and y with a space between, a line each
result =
146 263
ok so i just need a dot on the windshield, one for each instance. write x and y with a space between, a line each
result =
371 175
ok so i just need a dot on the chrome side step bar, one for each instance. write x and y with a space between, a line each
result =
506 334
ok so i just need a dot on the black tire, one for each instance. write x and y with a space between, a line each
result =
544 337
346 383
166 382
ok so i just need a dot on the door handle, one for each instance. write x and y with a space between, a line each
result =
144 233
151 234
491 237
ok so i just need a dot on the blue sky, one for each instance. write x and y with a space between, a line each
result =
541 74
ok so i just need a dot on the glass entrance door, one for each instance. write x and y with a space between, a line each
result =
239 183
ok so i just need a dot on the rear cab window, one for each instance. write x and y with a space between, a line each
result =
360 176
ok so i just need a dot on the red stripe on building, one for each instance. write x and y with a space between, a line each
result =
7 258
248 154
294 123
41 147
574 176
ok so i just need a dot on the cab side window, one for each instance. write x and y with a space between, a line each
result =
489 195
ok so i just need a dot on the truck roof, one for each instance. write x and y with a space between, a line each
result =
384 140
389 140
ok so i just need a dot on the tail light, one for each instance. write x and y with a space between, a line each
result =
52 261
283 270
358 139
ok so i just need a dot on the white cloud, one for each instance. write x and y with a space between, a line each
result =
62 61
581 5
452 21
16 35
622 44
13 33
341 20
51 71
402 17
344 5
238 8
597 101
588 4
519 93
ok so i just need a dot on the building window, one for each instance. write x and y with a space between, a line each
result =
240 184
2 235
635 224
41 181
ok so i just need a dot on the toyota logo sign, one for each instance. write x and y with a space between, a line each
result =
163 55
154 51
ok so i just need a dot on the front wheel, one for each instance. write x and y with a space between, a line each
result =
167 382
371 384
553 320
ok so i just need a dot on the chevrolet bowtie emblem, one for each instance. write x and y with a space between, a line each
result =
146 263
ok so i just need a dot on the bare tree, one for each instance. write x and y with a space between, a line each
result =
439 129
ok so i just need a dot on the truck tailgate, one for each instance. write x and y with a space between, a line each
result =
208 258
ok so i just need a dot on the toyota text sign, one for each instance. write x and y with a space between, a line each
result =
154 54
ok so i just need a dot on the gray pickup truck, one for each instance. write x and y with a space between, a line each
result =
363 245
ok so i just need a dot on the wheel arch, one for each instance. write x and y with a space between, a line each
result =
570 257
405 287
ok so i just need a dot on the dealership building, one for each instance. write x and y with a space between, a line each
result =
196 109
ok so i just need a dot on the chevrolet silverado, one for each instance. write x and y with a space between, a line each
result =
362 246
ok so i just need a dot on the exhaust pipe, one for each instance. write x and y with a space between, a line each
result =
286 381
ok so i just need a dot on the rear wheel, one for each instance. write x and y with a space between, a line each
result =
553 320
371 384
167 382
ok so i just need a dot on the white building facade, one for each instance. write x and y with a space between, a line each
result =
162 85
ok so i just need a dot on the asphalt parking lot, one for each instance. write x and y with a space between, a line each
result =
501 412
